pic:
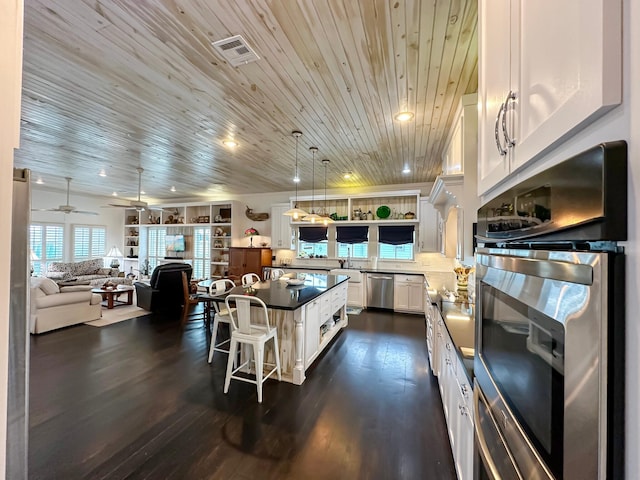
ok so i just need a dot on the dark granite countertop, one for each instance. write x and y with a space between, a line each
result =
362 269
279 295
459 318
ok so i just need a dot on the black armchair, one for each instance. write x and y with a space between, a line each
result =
164 290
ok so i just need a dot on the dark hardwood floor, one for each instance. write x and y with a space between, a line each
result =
138 400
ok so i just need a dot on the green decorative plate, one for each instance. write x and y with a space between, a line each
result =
383 212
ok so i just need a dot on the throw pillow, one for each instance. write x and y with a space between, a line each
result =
104 271
47 285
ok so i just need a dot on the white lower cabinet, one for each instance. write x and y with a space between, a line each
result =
408 293
355 294
457 402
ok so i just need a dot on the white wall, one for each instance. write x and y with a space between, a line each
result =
110 217
10 86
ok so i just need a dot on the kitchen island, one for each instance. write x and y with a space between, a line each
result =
306 316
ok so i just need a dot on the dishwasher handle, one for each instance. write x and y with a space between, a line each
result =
371 277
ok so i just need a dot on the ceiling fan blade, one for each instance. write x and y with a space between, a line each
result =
46 210
84 212
120 205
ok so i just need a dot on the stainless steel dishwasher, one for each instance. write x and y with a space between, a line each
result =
380 290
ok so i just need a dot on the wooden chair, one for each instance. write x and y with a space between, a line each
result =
249 279
251 328
191 299
221 315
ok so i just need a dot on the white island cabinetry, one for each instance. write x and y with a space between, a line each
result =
323 318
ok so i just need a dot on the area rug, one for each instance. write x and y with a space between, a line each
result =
354 310
118 314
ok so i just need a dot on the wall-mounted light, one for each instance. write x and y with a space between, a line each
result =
404 116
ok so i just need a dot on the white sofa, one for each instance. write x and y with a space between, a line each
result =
53 307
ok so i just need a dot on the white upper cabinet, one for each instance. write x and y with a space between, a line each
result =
281 236
428 228
546 69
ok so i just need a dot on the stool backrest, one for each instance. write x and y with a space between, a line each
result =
241 319
276 273
249 279
220 286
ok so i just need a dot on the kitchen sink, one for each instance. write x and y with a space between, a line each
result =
356 275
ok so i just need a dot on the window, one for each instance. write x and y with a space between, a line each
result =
312 242
157 246
201 249
89 242
352 241
396 243
47 243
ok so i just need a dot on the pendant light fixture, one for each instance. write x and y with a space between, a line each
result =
313 217
296 213
326 219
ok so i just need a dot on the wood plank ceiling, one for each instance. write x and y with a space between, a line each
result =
111 85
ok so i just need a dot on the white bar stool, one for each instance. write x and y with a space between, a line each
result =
276 273
249 279
221 315
256 334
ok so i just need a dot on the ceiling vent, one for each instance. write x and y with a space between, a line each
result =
235 50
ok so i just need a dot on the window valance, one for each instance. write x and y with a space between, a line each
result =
313 234
352 234
396 235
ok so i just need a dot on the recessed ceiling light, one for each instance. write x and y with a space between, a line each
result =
115 194
230 143
404 116
406 170
173 188
347 175
296 179
102 173
142 192
39 181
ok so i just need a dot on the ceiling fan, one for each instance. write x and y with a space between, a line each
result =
65 208
138 204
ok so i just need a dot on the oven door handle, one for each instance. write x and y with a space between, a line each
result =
483 448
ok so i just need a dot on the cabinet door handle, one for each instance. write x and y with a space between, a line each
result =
496 132
464 389
509 142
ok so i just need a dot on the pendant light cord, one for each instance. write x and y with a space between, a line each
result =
313 178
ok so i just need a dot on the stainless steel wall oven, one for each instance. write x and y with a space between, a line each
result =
549 365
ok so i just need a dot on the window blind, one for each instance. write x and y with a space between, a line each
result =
396 235
352 234
313 234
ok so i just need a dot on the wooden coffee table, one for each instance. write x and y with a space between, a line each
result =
111 296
